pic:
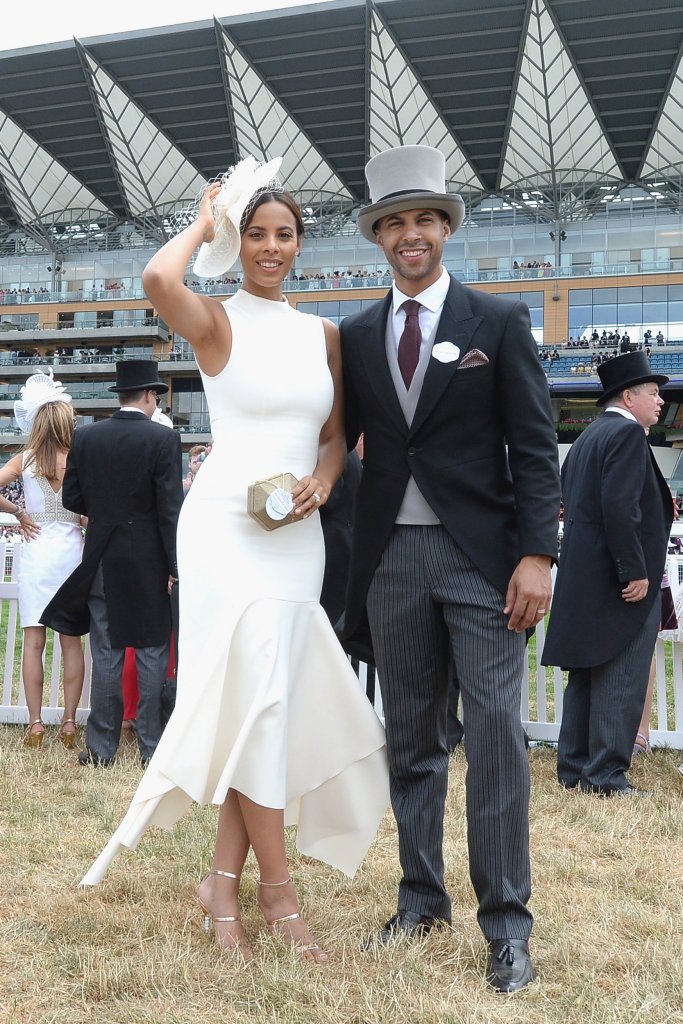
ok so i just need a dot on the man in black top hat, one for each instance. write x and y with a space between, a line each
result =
606 607
124 474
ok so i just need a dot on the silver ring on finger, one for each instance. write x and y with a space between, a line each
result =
316 497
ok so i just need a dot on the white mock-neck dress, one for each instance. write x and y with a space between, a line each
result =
267 702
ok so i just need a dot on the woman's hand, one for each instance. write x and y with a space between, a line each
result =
206 216
309 494
28 529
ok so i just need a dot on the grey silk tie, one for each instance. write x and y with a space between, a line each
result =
410 341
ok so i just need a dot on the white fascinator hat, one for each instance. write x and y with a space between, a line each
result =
240 186
40 389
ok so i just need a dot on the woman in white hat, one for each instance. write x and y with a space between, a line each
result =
270 723
53 543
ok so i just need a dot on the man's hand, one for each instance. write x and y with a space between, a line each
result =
529 592
172 580
634 591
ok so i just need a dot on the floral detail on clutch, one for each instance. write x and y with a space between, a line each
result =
475 357
446 352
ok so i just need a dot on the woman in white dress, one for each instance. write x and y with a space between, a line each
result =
270 722
53 543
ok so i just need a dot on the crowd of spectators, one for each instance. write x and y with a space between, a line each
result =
211 284
533 268
11 295
14 492
615 340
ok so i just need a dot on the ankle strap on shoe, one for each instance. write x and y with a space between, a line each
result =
225 874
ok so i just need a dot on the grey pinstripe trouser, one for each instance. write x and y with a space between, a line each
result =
428 601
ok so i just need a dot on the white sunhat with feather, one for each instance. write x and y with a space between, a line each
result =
240 187
40 389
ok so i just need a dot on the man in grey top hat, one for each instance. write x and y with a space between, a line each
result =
455 534
606 612
125 474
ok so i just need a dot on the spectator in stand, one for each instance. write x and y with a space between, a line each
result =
660 338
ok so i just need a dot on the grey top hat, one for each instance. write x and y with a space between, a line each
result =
138 375
408 178
626 371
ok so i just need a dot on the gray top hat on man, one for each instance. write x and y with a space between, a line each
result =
408 178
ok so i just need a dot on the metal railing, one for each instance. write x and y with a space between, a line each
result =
542 690
8 327
90 357
369 277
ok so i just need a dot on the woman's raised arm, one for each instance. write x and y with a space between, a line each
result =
198 318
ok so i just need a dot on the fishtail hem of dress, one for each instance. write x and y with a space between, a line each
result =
303 739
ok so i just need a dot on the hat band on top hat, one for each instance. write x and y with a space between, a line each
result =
408 192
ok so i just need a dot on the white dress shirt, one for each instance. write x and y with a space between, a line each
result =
622 412
431 301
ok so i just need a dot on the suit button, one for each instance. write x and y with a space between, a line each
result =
411 451
130 522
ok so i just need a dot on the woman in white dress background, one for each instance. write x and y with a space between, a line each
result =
270 722
52 543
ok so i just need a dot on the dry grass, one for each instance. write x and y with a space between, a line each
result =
608 900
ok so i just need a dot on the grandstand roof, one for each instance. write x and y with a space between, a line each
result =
557 103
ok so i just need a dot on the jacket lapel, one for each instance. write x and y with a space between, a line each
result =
457 324
374 354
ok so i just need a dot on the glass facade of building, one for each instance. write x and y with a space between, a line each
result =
632 308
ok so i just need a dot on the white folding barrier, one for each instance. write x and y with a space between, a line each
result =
542 689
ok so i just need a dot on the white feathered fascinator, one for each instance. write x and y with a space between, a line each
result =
38 390
240 186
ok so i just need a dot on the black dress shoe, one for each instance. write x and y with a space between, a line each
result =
630 790
616 791
510 966
568 785
405 923
88 756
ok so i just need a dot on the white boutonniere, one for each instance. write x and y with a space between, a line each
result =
446 352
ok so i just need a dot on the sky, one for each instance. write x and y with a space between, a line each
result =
50 22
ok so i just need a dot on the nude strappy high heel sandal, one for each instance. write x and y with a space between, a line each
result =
34 739
67 738
312 950
210 922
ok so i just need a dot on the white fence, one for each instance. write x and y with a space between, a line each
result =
541 704
542 712
13 705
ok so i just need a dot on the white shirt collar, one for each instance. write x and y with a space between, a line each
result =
432 298
131 408
622 412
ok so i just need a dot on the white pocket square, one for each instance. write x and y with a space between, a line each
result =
446 352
